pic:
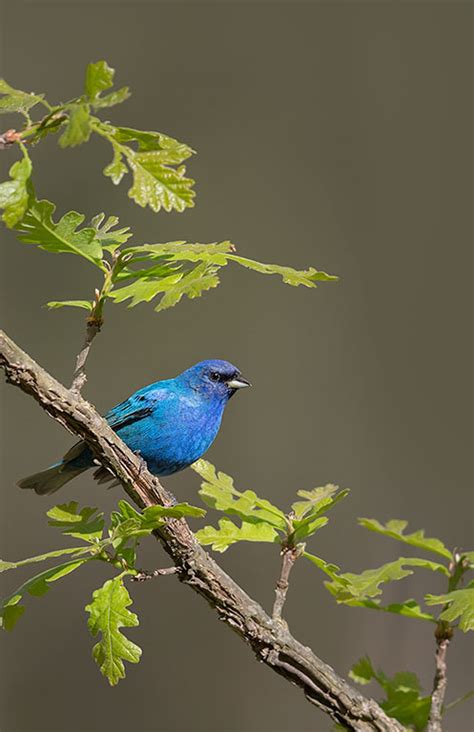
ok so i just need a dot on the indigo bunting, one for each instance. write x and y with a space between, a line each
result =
169 424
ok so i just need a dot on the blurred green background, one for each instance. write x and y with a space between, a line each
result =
329 134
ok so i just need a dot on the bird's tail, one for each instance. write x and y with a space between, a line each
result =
51 479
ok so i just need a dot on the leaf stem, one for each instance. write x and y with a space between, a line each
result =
289 556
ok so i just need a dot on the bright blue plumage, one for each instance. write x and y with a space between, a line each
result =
170 424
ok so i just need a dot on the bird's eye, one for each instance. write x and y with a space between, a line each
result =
214 376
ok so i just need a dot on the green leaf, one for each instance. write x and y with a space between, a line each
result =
14 100
117 168
84 524
330 569
295 277
10 608
366 585
228 533
99 78
460 605
15 193
172 152
308 512
403 699
109 237
37 227
78 126
85 304
5 566
218 492
157 185
395 529
107 614
362 672
408 608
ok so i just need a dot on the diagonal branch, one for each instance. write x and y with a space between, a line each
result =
271 641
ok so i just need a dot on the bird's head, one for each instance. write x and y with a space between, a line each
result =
214 378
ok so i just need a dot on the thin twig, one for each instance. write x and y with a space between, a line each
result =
92 328
443 634
271 642
146 575
290 555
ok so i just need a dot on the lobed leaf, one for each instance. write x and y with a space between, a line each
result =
15 100
77 128
99 78
15 193
171 151
84 523
11 610
78 550
366 585
218 492
110 238
395 529
308 512
403 699
228 533
460 606
295 277
157 185
37 227
108 613
330 569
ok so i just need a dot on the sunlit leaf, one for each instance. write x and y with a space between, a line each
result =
85 523
228 533
395 529
307 277
84 304
110 238
15 100
108 613
218 491
78 550
157 185
78 126
460 606
99 78
10 608
37 227
366 585
15 193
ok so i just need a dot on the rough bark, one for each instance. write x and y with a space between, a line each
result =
270 640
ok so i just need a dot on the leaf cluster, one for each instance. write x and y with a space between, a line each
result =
116 546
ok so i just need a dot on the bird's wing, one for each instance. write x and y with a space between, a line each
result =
137 407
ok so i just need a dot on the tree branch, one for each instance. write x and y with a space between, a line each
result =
290 555
271 641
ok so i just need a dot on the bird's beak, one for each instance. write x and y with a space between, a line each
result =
238 383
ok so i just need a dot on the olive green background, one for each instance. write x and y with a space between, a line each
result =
329 134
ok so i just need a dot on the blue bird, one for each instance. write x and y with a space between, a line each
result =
170 424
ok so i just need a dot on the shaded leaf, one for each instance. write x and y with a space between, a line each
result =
460 606
408 608
10 608
218 491
84 524
107 614
403 699
99 78
78 126
117 168
228 533
395 529
308 512
37 227
15 193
